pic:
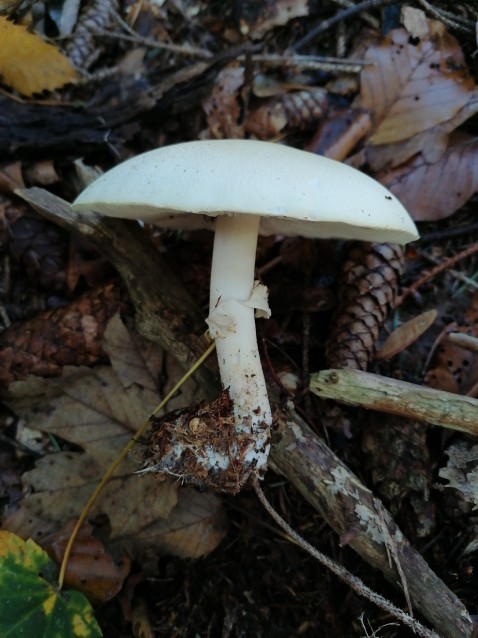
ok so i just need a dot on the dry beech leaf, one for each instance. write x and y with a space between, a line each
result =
435 191
415 22
417 90
406 334
454 369
91 569
98 409
28 64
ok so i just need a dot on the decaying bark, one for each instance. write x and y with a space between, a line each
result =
362 521
166 313
31 130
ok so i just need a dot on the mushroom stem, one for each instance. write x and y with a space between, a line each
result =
232 323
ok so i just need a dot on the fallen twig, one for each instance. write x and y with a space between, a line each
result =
325 25
430 274
417 402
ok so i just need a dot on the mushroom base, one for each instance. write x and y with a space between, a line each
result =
207 447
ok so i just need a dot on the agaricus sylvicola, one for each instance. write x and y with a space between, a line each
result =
249 187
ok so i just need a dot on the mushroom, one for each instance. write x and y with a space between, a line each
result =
249 187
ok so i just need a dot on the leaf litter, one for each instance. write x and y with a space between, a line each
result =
97 410
420 158
418 91
412 86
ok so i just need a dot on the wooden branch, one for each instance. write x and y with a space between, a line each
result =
41 130
362 521
409 400
297 452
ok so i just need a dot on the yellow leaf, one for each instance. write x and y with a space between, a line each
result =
28 64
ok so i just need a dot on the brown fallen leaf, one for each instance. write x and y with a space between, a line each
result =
28 64
406 334
91 568
455 368
417 89
435 191
11 177
98 409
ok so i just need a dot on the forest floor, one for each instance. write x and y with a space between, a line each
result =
389 88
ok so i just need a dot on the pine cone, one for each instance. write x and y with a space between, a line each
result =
292 111
82 49
367 288
396 453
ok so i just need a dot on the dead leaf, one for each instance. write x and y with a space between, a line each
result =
437 190
11 177
414 86
98 409
415 22
461 471
406 334
91 568
28 64
455 368
42 172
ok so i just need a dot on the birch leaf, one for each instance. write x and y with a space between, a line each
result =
28 64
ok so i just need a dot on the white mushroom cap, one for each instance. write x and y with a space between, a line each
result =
295 192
